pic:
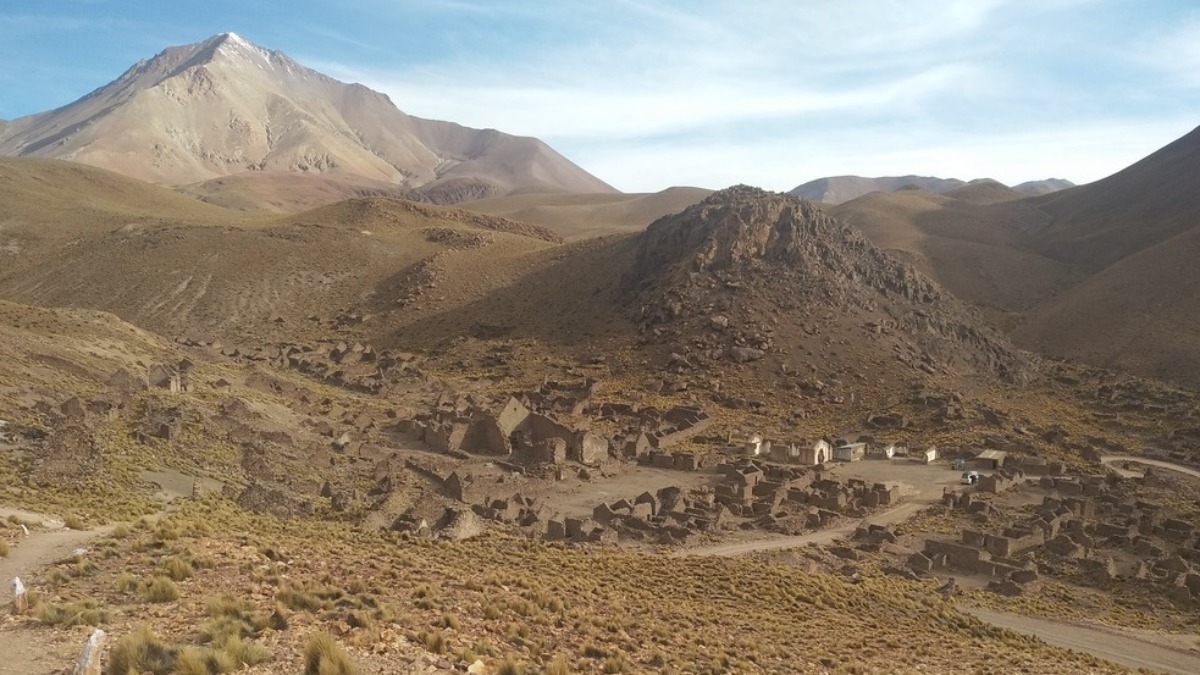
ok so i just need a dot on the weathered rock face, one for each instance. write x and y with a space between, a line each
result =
747 273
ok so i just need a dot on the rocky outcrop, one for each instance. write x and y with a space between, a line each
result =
747 274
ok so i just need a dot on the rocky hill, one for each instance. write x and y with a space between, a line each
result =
224 107
752 277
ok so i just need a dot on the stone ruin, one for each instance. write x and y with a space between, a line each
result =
1080 519
531 429
514 432
559 397
788 499
355 366
666 517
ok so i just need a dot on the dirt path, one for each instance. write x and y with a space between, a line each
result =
1109 644
27 652
900 513
1110 459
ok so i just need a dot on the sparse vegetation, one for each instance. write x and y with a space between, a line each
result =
389 595
141 652
160 589
324 656
83 613
178 568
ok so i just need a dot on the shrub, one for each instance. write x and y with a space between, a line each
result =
435 642
141 652
242 652
126 583
178 568
591 651
229 605
85 613
120 531
74 522
324 656
84 568
279 618
299 600
614 664
160 589
558 666
510 667
57 577
191 661
3 549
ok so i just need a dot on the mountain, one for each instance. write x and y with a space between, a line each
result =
1135 235
1098 273
841 189
838 189
578 216
749 275
971 245
224 107
984 191
1145 204
1035 188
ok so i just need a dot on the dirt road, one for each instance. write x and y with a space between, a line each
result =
1109 644
900 513
1126 648
27 652
1110 459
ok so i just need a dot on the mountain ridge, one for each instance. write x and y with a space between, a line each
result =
834 190
225 106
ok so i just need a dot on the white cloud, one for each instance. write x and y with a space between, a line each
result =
1176 53
649 94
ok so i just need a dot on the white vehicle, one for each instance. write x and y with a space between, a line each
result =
970 477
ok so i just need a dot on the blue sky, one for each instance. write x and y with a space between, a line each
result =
651 94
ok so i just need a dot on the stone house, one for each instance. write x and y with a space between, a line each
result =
807 452
850 452
756 446
886 451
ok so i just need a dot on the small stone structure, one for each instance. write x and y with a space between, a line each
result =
89 659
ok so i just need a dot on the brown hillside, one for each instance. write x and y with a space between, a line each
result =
984 191
284 192
753 277
973 249
579 216
56 353
1138 315
839 189
249 281
1095 225
44 204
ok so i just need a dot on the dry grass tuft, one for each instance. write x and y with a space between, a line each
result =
178 568
141 652
324 656
557 666
83 613
160 589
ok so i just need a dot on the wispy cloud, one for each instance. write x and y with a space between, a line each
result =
1175 52
649 93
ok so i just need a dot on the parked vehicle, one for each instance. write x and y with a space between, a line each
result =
970 477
